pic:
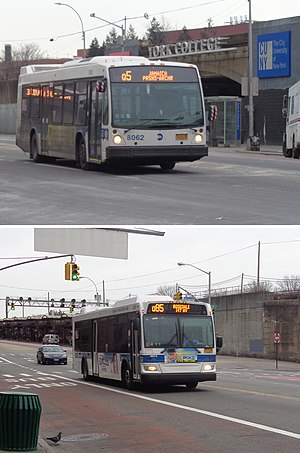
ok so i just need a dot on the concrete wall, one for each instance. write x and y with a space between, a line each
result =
8 106
8 118
248 322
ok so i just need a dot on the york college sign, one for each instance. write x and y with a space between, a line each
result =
187 47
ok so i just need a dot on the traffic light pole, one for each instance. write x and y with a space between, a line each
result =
35 260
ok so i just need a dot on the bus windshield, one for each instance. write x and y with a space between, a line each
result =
178 331
156 105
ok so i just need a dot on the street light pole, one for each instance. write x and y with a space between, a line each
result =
82 28
115 25
205 272
98 297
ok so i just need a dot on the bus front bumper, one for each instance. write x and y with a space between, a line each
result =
173 379
154 155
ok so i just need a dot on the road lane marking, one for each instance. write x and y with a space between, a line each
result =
177 406
192 409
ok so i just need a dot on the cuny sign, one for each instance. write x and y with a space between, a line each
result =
187 47
274 55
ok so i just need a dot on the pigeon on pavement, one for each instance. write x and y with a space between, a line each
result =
55 439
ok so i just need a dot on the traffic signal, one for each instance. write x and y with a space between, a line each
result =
68 271
178 295
75 272
12 306
72 306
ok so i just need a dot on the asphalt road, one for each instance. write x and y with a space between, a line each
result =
252 408
225 188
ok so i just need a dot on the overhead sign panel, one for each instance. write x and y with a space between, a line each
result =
274 55
82 241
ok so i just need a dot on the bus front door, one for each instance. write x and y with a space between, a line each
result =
95 122
135 348
95 349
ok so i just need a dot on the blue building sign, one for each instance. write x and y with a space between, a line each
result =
274 55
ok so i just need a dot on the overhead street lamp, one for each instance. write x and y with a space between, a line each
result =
205 272
115 25
97 295
82 28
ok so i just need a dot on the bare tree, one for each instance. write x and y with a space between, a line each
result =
166 290
290 284
27 52
263 286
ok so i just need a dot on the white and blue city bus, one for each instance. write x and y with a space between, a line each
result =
148 340
112 110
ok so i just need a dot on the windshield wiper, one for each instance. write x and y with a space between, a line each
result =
141 124
170 342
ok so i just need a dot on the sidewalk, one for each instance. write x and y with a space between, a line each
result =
274 150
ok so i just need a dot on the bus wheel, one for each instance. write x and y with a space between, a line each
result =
34 150
169 165
126 378
191 385
85 371
287 152
81 155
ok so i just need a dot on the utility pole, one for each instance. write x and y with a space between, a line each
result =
258 267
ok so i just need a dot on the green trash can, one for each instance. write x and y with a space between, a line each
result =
19 421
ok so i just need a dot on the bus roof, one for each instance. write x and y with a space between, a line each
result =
53 72
129 304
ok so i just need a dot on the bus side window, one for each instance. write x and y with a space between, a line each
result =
57 104
68 103
80 103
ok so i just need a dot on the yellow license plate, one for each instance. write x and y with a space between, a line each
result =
181 136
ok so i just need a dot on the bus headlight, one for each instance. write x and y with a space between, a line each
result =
198 138
208 367
150 367
117 139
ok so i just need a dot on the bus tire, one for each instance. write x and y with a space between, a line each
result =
81 155
85 371
168 165
34 150
287 152
191 385
126 377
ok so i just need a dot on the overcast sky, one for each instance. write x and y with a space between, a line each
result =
40 20
226 252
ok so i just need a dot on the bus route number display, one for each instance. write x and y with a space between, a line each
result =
152 74
176 308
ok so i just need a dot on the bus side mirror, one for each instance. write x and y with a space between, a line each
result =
101 86
284 106
219 342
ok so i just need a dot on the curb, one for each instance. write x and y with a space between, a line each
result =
42 445
246 151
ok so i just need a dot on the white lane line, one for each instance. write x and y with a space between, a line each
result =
192 409
180 406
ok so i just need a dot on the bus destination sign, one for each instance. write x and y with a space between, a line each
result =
177 308
153 74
